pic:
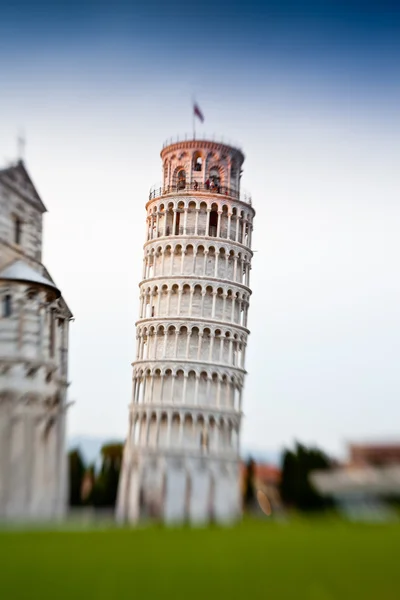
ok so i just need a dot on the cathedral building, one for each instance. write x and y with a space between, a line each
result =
181 457
34 323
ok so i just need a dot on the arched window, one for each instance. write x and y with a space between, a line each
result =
215 179
17 231
197 162
148 307
204 441
7 307
52 332
150 266
181 179
213 226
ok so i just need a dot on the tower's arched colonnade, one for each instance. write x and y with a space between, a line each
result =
181 456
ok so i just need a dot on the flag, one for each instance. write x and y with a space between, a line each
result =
198 112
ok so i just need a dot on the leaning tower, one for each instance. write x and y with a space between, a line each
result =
181 457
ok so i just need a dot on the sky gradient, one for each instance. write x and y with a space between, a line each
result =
312 96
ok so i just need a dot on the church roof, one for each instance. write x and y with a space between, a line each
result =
18 179
20 271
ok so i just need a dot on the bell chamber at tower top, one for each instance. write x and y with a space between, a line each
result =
200 193
201 166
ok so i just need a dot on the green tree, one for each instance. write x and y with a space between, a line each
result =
88 485
249 492
106 485
296 488
76 473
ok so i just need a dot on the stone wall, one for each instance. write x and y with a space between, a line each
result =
13 208
34 329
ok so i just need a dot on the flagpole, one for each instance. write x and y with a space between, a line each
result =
193 117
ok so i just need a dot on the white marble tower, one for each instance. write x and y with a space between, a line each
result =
34 322
181 458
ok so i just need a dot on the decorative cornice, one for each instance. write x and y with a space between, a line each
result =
190 408
211 240
200 279
190 322
194 145
186 362
192 195
161 454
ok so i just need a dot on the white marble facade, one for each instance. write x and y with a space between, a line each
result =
34 323
181 458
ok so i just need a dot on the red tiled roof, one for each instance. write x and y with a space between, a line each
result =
375 447
264 472
374 452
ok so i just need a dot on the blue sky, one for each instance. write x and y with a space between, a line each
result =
312 96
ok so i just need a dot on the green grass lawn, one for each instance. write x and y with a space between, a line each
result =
315 559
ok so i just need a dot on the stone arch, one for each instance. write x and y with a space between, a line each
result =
194 342
175 429
180 208
222 264
191 217
210 261
234 224
179 176
179 385
185 299
213 433
203 388
213 228
152 435
143 430
207 301
216 175
173 299
234 172
200 419
199 260
197 300
182 342
169 219
224 390
202 219
188 430
197 161
163 430
205 344
219 303
218 345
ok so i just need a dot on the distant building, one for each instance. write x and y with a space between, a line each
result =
267 479
34 323
363 485
374 454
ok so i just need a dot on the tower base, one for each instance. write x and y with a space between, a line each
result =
178 489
